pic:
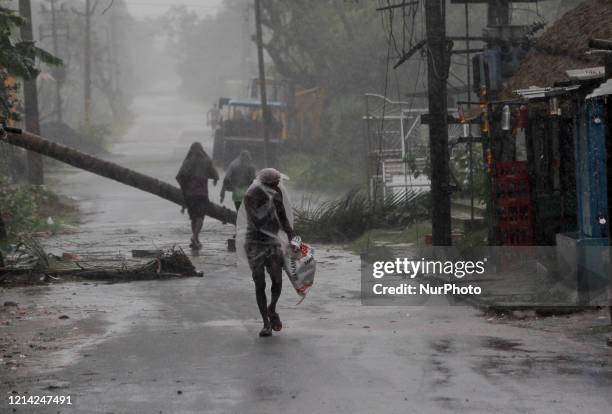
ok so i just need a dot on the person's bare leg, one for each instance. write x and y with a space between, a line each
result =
259 277
198 224
277 285
196 228
193 227
276 275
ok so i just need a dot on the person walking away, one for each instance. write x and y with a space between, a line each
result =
213 116
193 176
239 176
267 211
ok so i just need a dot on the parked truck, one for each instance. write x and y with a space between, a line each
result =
241 128
295 112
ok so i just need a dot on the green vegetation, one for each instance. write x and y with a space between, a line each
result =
25 210
97 134
460 167
17 59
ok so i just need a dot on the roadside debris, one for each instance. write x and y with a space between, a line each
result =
28 263
147 253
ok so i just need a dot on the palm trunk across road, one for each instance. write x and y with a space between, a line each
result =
108 169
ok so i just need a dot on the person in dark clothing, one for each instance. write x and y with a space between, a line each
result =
240 174
193 178
266 216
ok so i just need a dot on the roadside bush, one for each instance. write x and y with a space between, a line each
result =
349 217
26 208
19 207
96 134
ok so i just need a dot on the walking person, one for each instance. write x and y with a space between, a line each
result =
266 217
196 170
239 176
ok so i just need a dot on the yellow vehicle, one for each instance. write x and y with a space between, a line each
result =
296 115
241 128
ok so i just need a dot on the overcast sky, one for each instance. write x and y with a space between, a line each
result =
153 8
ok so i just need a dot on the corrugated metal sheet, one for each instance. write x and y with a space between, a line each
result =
539 93
586 73
603 90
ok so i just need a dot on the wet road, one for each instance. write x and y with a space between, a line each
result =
191 345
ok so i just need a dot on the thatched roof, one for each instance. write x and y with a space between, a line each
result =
563 45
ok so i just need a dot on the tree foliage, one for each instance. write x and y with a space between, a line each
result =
340 46
17 58
344 48
208 50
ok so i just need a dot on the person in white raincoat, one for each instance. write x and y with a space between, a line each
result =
264 216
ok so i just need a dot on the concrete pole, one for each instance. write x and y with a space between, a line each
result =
58 83
30 96
438 60
262 84
87 57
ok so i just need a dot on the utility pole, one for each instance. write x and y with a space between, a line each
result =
58 85
30 97
59 71
89 11
246 43
438 62
262 83
114 52
470 138
87 56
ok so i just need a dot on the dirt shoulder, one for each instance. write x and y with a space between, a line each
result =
591 327
29 331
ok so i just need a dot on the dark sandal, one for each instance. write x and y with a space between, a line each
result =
275 321
265 332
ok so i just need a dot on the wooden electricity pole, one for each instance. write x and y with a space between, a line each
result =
89 11
262 83
87 55
56 29
58 83
30 98
438 62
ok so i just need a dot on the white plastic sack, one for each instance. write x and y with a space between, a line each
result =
300 266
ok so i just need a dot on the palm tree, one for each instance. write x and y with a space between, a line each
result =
107 169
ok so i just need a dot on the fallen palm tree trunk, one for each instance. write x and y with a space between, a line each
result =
107 169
